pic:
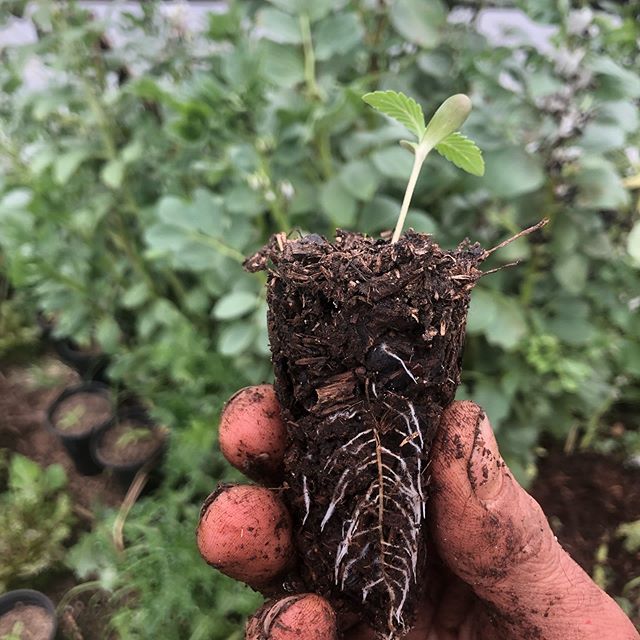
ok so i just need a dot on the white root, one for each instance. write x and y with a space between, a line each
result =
307 499
384 348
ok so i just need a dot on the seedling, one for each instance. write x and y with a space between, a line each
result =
71 418
133 436
440 134
366 339
16 632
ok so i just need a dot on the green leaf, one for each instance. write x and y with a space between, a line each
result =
378 215
511 171
112 173
282 65
419 21
337 203
278 26
337 35
313 9
399 107
393 162
571 272
236 338
135 296
482 310
463 152
234 305
360 179
447 119
633 243
508 325
67 164
108 334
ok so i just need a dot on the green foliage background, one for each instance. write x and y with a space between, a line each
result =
145 166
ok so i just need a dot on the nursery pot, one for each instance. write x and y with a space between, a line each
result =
91 365
76 438
33 609
124 456
366 339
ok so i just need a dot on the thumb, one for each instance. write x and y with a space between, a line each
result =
495 537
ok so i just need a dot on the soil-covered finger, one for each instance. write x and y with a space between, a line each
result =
495 537
252 436
305 616
245 532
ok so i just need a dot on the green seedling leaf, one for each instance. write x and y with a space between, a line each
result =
71 418
449 117
132 436
399 107
440 133
462 152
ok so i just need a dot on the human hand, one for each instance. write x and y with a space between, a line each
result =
499 572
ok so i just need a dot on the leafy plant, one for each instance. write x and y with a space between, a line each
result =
15 633
35 518
440 134
132 436
72 417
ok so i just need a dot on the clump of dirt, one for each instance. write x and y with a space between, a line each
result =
30 622
586 497
366 339
128 442
81 412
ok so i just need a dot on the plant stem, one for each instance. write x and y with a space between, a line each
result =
418 160
309 57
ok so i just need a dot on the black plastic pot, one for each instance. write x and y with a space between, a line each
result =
78 446
126 472
10 600
91 366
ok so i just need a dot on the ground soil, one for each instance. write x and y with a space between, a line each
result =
586 496
368 333
36 622
81 412
115 448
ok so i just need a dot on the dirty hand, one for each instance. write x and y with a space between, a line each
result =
501 573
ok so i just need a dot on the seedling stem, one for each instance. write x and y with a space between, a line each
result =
441 134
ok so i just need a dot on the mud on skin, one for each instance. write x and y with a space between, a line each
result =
366 338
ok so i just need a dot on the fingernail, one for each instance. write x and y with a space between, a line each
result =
485 468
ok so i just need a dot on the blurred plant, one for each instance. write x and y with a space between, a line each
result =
17 330
15 633
35 518
176 595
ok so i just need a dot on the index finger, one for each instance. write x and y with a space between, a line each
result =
252 435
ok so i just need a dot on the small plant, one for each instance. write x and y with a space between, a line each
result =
360 492
35 518
16 632
440 134
132 436
71 418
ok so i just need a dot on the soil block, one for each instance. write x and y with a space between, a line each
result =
366 339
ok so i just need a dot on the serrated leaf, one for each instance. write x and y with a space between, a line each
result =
399 107
463 152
